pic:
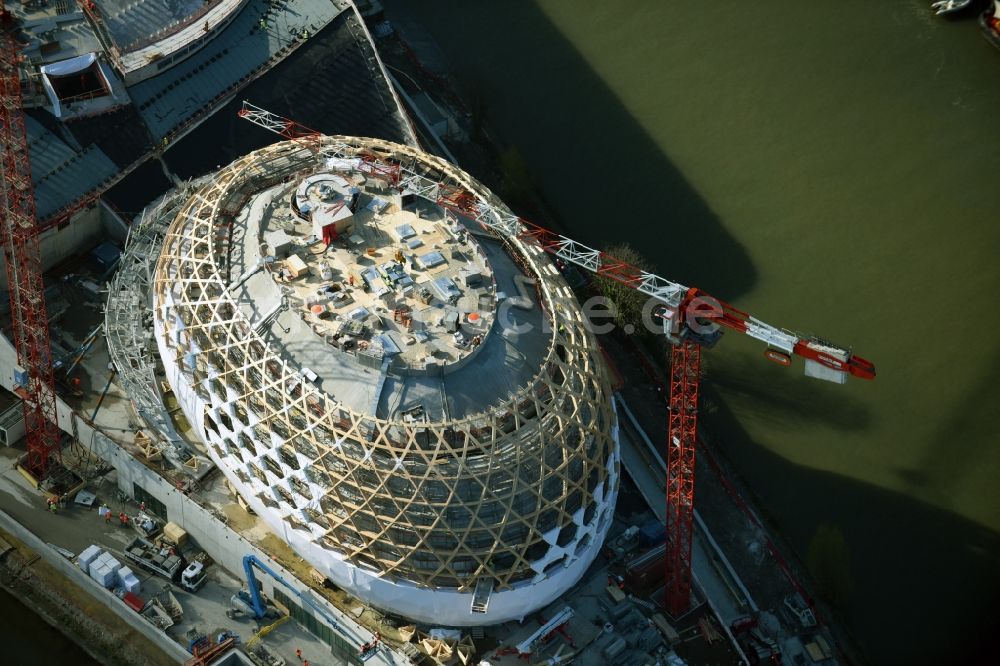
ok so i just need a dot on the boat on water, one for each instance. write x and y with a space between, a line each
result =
989 21
950 6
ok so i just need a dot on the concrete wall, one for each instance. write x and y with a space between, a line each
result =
82 232
85 582
113 225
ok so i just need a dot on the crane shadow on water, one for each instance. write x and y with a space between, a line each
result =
604 178
785 397
911 561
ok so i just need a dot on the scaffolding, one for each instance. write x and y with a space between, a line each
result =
128 323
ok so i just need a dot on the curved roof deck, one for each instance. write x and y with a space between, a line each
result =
151 34
387 316
134 24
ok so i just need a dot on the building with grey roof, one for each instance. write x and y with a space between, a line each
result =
92 121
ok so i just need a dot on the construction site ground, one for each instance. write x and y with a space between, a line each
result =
75 527
594 625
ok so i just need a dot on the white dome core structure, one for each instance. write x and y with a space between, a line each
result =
410 399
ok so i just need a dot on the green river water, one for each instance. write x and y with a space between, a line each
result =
830 167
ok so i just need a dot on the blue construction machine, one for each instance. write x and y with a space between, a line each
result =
252 602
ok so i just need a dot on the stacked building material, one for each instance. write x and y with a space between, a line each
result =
89 554
104 569
644 570
129 580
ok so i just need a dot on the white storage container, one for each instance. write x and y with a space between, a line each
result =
130 583
112 563
95 568
128 580
107 577
87 557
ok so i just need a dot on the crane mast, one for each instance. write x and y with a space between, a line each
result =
682 436
19 236
690 320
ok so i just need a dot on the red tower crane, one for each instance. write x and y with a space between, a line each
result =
690 319
19 236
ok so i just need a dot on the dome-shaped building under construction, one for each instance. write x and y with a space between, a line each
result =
392 375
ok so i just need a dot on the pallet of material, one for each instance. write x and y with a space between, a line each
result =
406 633
616 594
668 631
819 649
175 534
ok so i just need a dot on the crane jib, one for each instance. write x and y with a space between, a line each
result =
692 309
830 361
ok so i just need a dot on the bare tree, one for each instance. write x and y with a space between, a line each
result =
518 185
627 301
829 561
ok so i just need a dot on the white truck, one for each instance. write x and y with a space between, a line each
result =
167 562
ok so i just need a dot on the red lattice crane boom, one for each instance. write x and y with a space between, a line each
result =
19 236
690 319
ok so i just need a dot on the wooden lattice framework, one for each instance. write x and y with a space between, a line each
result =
508 495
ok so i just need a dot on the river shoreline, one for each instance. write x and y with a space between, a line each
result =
491 163
40 610
827 171
71 611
